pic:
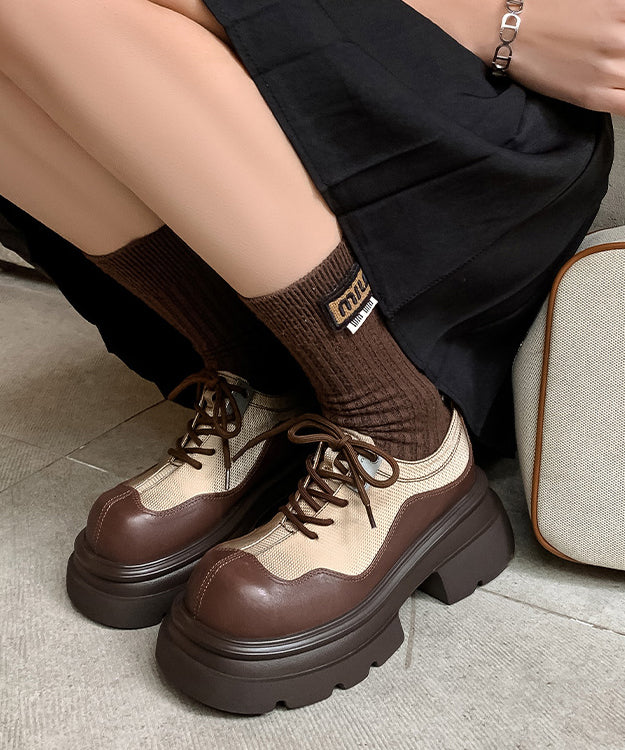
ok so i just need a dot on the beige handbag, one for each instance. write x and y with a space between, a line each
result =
569 400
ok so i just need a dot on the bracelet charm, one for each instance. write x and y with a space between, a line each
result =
508 33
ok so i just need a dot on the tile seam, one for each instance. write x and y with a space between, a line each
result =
30 445
110 429
537 607
32 474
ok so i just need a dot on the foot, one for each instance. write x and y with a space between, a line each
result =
144 536
310 600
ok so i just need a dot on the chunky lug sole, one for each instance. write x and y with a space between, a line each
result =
138 596
467 547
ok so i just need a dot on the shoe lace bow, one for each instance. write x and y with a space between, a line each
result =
313 490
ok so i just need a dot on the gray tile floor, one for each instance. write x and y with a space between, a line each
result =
534 660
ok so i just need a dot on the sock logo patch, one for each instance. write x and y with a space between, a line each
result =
349 305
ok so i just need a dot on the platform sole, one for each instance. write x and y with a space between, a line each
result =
138 596
252 677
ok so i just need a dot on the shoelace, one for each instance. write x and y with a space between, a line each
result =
224 419
313 489
225 413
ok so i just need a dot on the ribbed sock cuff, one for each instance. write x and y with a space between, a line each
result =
363 380
279 308
164 272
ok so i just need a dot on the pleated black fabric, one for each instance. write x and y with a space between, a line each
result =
460 194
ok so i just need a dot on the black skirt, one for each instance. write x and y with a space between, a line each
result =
461 195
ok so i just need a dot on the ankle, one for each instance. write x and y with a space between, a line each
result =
330 323
410 433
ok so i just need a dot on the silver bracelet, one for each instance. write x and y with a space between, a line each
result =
507 35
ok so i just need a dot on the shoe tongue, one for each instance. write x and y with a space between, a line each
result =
242 399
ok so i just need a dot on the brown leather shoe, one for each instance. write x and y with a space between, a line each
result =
144 536
310 600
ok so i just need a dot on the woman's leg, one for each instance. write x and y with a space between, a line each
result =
47 174
51 177
167 108
139 97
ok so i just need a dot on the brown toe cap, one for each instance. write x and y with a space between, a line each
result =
231 592
121 529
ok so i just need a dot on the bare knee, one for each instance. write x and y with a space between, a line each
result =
197 11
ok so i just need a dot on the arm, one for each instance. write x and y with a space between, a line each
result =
571 51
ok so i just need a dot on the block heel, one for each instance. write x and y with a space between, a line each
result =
477 563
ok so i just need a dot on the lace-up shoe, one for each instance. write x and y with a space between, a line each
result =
310 600
226 474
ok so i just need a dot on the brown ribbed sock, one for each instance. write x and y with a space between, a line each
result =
363 380
165 273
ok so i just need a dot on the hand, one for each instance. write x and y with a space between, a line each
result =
573 51
568 50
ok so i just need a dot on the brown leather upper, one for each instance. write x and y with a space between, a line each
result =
121 529
231 592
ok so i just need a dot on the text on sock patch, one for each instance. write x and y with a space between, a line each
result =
351 302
